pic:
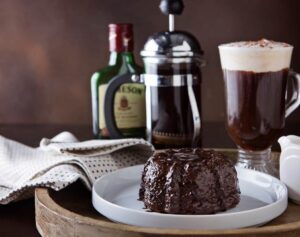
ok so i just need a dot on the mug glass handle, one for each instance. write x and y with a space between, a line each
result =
109 101
294 101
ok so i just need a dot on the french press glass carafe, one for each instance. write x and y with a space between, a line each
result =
172 77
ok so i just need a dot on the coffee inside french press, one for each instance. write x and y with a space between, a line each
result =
172 77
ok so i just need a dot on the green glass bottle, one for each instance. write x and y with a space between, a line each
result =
129 106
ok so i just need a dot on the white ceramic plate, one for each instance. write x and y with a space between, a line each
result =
263 198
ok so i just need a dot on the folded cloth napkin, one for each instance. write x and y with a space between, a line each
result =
61 161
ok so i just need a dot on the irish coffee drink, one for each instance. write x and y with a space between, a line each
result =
255 79
256 107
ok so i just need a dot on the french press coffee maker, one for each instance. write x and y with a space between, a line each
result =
172 77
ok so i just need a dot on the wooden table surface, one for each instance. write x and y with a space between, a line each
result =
18 219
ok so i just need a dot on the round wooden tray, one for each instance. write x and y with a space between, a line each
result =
70 213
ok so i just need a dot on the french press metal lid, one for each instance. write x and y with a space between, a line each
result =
172 78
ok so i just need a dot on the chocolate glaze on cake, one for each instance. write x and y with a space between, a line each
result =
189 181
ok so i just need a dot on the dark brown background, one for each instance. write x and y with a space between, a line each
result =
49 48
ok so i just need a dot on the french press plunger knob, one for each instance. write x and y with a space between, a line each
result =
174 7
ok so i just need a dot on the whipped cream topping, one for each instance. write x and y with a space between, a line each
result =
256 56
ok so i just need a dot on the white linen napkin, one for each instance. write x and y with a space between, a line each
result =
61 161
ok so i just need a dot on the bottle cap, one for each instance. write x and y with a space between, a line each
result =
121 37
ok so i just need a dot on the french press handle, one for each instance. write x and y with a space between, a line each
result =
109 101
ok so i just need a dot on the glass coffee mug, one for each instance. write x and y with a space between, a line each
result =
255 77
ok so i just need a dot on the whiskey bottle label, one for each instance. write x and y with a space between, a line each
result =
129 106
